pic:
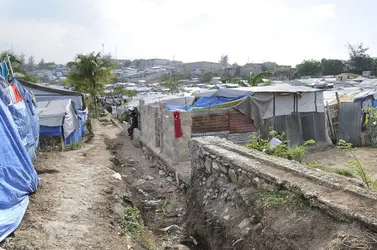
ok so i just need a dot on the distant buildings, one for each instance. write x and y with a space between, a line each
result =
198 67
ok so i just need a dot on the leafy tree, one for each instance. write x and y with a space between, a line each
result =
119 90
127 63
31 63
29 78
90 73
332 66
374 67
130 93
41 63
171 85
359 59
309 68
269 66
207 76
224 60
256 79
14 60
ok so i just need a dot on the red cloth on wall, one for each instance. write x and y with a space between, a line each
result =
177 124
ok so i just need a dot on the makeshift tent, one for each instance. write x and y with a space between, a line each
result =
18 177
22 108
205 102
45 93
60 118
212 98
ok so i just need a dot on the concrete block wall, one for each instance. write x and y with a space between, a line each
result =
148 122
175 148
157 130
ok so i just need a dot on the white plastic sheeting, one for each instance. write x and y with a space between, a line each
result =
57 113
284 103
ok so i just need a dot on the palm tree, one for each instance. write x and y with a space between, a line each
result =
90 73
256 79
14 60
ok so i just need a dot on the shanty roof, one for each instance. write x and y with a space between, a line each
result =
49 89
280 88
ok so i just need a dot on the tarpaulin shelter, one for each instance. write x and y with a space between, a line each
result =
45 93
61 118
210 98
19 130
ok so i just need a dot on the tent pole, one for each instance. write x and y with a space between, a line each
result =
62 142
10 65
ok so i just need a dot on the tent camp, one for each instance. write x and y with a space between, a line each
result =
60 118
19 131
45 93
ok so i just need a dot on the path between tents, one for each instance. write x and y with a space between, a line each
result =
71 209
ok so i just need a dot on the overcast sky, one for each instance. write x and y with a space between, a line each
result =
284 31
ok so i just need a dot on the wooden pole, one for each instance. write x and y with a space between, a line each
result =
337 99
10 65
332 131
62 142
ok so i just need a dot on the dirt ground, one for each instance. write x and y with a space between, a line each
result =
81 205
338 158
72 207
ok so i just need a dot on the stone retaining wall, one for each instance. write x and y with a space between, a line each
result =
338 196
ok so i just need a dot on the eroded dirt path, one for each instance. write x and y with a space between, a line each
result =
73 207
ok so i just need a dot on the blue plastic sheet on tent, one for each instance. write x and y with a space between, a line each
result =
75 136
18 177
206 102
51 131
26 119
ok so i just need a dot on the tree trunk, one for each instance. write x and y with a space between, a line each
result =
95 98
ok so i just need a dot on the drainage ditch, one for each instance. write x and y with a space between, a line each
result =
216 214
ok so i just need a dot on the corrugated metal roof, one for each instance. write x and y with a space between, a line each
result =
280 88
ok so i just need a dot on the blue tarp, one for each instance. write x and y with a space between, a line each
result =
206 102
51 131
18 177
75 136
4 70
26 119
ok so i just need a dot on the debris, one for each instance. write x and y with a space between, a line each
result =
179 247
161 172
153 202
149 178
236 241
194 240
117 176
226 217
171 229
170 179
244 223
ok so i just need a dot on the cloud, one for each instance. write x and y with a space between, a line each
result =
188 30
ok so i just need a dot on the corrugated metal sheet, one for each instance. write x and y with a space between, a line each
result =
210 123
240 123
232 121
350 122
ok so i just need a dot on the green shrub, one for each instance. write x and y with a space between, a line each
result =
132 222
298 153
359 169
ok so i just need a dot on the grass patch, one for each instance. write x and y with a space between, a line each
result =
135 228
277 198
347 172
74 146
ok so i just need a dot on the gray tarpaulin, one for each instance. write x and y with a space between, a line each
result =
57 113
230 93
255 108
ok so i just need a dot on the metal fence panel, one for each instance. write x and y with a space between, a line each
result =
350 121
